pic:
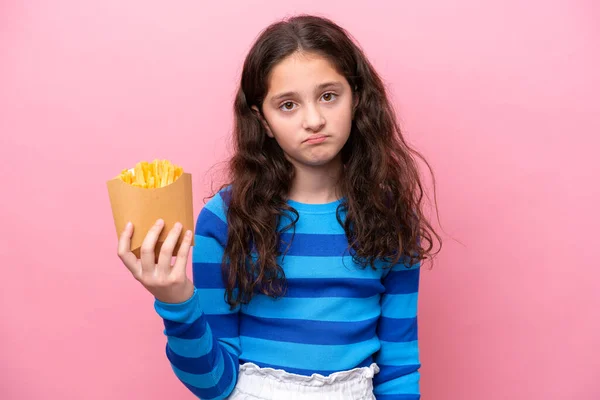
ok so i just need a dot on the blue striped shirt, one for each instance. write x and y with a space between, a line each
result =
334 316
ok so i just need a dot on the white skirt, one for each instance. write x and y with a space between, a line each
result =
256 383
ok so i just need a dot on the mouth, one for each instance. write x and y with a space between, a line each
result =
313 139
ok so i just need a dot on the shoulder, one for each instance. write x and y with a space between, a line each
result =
214 213
220 201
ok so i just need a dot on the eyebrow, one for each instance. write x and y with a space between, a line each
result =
322 86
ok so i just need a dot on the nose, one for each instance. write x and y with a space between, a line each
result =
313 118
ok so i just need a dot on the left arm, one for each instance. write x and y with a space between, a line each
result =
398 358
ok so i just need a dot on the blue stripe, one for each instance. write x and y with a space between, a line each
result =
207 250
327 267
197 365
405 384
201 372
232 345
186 312
399 305
317 309
213 300
314 245
309 372
402 282
389 372
216 205
225 194
222 389
184 330
210 225
343 287
223 325
398 397
307 356
207 266
398 353
207 275
310 223
307 332
397 329
192 348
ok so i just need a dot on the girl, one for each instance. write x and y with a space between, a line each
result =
306 264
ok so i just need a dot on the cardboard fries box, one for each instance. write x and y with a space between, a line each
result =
173 203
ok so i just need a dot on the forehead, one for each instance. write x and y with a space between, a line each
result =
302 71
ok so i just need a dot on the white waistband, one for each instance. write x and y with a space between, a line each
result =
271 384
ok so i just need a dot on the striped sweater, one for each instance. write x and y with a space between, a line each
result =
334 316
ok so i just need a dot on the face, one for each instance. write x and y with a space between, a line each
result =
308 110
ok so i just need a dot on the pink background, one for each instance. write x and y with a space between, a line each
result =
502 98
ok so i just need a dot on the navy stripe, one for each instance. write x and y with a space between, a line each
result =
220 387
307 372
194 365
397 329
226 195
184 330
209 225
320 245
332 287
389 372
223 325
306 331
402 282
207 276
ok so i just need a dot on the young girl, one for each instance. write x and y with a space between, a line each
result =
306 264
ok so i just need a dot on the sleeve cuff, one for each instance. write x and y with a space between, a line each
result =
185 312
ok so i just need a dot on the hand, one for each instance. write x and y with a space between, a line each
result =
168 283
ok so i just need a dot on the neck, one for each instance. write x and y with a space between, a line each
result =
317 185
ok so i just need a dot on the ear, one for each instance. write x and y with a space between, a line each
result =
263 121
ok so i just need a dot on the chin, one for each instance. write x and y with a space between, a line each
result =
316 163
319 162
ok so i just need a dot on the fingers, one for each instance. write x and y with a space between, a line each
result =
124 249
183 253
147 254
166 250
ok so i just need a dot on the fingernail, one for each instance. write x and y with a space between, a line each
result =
188 233
128 225
178 226
159 222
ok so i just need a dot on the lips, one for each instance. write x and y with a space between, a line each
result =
314 137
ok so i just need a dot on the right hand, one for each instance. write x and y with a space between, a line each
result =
168 283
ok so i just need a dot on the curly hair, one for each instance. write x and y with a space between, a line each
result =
380 179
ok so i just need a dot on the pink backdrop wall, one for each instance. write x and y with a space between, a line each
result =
502 98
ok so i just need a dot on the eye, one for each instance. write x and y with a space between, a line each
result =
287 106
329 97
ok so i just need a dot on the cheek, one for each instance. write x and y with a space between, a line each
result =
285 127
341 121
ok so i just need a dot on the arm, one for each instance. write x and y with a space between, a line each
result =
398 358
202 333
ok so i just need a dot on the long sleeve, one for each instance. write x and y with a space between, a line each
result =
202 333
398 358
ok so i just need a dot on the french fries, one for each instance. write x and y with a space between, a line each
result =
154 175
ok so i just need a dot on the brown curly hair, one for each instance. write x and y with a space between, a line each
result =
380 179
